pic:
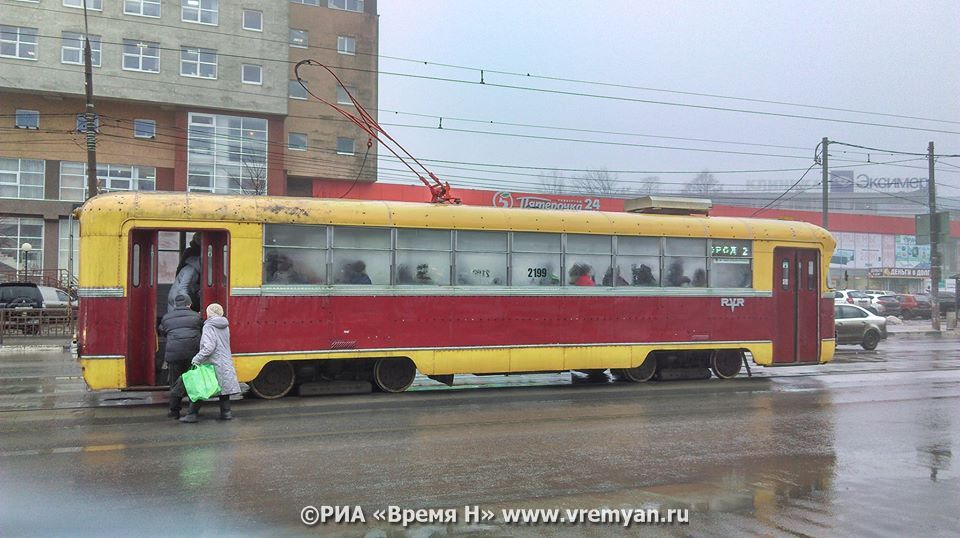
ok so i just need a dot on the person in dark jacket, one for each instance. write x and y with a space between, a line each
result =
182 327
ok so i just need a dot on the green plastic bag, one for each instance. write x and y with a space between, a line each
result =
201 382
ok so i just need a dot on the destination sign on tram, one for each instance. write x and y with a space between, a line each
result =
730 249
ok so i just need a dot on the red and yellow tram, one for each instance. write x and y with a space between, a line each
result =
319 290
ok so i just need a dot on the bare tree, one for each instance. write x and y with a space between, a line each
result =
648 186
600 182
252 178
705 184
554 183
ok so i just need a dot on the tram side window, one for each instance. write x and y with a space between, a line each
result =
685 262
361 251
638 261
294 254
589 261
481 258
423 257
731 264
535 259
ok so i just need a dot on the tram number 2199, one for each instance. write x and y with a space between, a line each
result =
536 272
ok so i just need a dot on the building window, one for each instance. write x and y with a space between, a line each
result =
200 11
18 42
343 98
141 56
143 8
82 123
27 119
21 178
144 129
345 146
200 63
252 74
110 177
14 232
306 2
73 181
253 20
72 50
296 90
346 45
297 141
96 5
299 38
226 154
63 260
346 5
116 177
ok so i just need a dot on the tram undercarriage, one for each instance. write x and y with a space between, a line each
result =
396 374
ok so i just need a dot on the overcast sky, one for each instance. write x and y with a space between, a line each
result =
889 57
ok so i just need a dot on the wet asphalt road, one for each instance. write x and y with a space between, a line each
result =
863 446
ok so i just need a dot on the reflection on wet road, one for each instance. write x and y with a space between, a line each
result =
863 446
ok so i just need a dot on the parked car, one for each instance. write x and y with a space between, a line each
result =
947 301
890 304
875 306
851 297
855 325
914 306
29 295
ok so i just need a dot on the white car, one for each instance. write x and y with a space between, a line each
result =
874 306
853 297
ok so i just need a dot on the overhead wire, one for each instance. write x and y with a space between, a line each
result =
207 30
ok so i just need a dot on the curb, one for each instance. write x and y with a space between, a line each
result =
921 333
27 348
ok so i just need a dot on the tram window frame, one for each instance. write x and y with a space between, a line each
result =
463 249
550 252
639 252
732 253
314 252
811 275
380 271
679 250
430 273
581 254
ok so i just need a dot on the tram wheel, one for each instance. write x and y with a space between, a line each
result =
394 375
639 374
274 381
726 363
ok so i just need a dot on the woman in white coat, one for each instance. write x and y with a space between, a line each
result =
215 350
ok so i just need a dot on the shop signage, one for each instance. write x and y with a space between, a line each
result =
898 272
541 201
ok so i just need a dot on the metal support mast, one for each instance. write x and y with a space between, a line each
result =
826 184
934 243
89 114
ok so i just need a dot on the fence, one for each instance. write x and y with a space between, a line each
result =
37 322
56 278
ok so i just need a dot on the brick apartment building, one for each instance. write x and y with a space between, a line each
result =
195 95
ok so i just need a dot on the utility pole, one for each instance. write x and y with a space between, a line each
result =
89 114
934 243
826 183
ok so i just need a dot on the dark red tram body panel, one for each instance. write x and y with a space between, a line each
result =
263 324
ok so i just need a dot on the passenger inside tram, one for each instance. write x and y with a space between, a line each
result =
643 276
187 279
580 275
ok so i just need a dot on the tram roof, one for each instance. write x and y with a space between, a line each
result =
107 213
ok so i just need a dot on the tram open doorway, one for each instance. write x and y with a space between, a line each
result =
154 259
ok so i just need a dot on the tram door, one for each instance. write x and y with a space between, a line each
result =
796 292
148 298
142 297
215 281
